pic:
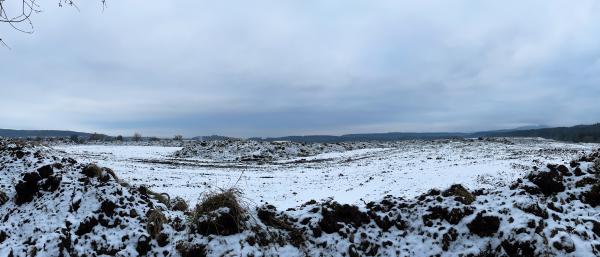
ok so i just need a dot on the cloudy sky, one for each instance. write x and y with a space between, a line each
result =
270 68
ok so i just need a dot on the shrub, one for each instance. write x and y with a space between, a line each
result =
74 138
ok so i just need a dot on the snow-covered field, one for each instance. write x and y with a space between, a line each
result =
543 199
401 169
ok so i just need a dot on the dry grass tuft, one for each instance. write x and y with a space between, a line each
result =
101 173
219 213
179 204
156 219
214 201
163 198
111 173
92 171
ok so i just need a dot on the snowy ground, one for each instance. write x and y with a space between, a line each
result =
404 169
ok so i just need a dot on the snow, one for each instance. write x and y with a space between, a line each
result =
407 169
437 223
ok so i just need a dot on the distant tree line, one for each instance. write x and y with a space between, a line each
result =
581 133
136 137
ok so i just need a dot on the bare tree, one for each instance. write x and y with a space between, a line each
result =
18 13
137 137
178 137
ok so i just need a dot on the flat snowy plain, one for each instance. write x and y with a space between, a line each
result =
407 169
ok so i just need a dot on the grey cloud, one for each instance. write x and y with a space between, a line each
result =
260 68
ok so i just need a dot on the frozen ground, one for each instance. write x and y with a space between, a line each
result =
401 169
54 205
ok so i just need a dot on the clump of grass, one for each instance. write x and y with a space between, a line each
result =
163 198
179 204
92 170
218 213
111 173
102 173
214 201
156 219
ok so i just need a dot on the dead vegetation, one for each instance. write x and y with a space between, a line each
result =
156 219
163 198
179 204
103 174
222 213
219 213
92 171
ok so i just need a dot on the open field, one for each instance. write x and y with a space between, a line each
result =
488 197
405 169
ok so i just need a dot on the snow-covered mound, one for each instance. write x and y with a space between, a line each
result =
62 208
250 150
17 156
552 212
59 207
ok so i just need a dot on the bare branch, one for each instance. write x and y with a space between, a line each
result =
19 15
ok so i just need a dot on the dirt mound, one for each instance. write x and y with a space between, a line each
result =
36 182
550 182
484 226
461 193
335 216
54 209
261 151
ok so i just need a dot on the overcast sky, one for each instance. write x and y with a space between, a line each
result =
271 68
